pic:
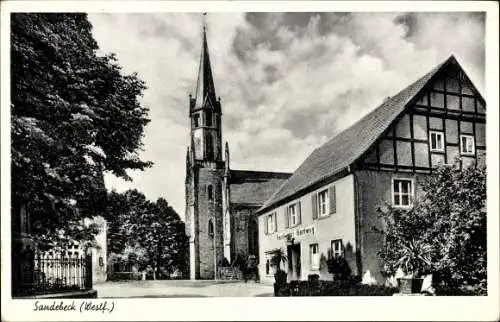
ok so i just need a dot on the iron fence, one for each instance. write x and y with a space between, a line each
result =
43 274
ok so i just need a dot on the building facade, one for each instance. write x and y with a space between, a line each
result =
328 207
220 201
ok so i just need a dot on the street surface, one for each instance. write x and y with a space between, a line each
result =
181 288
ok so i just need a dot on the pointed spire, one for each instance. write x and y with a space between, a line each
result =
205 88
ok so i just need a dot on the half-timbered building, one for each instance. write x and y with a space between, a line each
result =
329 205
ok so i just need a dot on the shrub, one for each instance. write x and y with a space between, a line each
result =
447 227
339 267
334 288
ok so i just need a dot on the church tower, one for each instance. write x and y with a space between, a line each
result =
205 175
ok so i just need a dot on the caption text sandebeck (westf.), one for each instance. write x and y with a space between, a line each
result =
85 306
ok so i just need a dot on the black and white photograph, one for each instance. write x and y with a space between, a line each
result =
200 154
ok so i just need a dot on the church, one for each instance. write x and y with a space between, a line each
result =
220 202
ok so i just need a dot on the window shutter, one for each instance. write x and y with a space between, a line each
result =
266 228
299 217
287 218
333 201
314 199
275 222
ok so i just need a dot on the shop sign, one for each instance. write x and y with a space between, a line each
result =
297 232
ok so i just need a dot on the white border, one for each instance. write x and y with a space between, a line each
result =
217 309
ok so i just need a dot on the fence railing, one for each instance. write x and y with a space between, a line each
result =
44 274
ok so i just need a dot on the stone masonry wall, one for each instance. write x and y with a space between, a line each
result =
209 210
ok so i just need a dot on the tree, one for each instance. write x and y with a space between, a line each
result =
153 229
161 232
122 212
450 220
75 115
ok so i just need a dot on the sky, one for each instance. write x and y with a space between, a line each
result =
288 81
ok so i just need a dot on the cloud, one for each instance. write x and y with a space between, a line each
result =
287 81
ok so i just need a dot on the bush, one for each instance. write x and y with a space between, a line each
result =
339 267
125 276
446 227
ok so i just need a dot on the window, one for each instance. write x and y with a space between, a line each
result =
437 141
402 192
208 118
314 252
210 228
209 147
337 248
467 144
210 192
101 261
292 215
323 203
196 120
268 264
271 223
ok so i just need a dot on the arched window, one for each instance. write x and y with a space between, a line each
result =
210 228
196 120
208 118
209 146
210 192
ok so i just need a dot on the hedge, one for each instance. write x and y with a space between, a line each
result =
332 288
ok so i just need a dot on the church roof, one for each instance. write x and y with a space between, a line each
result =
205 89
253 188
346 147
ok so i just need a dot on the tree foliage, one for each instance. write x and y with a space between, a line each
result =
75 115
154 229
446 227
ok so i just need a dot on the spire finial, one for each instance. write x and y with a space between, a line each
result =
204 22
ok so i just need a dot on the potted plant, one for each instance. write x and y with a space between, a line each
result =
412 257
405 249
277 257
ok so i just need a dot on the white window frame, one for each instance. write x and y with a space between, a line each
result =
270 220
337 250
314 257
323 204
439 141
411 193
293 215
467 137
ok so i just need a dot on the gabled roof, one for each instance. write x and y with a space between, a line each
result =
346 147
253 188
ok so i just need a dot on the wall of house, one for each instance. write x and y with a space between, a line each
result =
321 231
448 105
374 189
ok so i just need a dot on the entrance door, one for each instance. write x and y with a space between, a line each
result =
294 268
